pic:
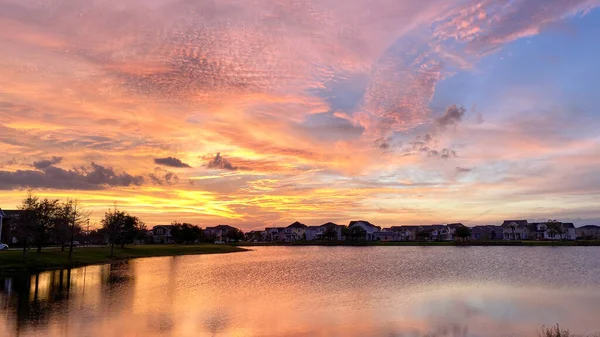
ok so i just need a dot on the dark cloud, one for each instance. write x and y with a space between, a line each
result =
219 162
170 161
93 178
452 116
463 169
42 164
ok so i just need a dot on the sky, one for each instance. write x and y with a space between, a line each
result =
262 112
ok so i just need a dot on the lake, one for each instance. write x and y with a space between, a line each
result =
315 291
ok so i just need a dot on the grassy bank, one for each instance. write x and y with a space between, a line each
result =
427 243
13 261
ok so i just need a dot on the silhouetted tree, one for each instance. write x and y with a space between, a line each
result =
121 228
554 227
330 233
27 220
235 235
354 233
186 233
462 232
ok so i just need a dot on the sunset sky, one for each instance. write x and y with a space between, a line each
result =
264 112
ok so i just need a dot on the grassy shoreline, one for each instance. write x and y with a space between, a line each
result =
426 243
12 262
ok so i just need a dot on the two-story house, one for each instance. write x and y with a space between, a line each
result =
515 229
162 234
294 232
588 232
219 233
272 233
369 228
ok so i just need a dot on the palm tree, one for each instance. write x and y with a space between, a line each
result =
513 227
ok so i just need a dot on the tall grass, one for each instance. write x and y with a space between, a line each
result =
556 331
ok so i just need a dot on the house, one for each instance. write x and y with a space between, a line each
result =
255 236
541 231
537 230
588 232
488 232
452 229
9 225
386 236
219 233
313 233
406 233
327 231
569 231
515 229
294 232
433 233
369 228
272 233
162 234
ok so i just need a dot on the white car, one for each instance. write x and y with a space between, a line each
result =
3 246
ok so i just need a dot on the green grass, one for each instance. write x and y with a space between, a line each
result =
13 261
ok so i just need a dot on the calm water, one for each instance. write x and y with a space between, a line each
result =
315 291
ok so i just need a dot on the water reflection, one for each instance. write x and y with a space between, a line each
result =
313 291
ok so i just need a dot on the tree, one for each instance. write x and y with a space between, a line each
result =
27 219
186 233
68 221
235 235
462 232
554 227
330 233
354 233
45 212
121 228
513 227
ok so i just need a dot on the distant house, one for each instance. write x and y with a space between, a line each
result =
313 233
255 236
406 233
588 232
569 230
320 232
487 232
540 231
9 220
367 226
515 229
219 233
433 233
386 236
272 233
162 234
294 232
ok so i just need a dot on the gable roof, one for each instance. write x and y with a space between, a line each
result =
568 225
455 225
352 223
297 225
589 227
221 227
163 226
330 224
520 223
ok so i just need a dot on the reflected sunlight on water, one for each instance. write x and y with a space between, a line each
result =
315 291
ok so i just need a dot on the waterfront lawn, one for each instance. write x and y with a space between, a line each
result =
12 261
